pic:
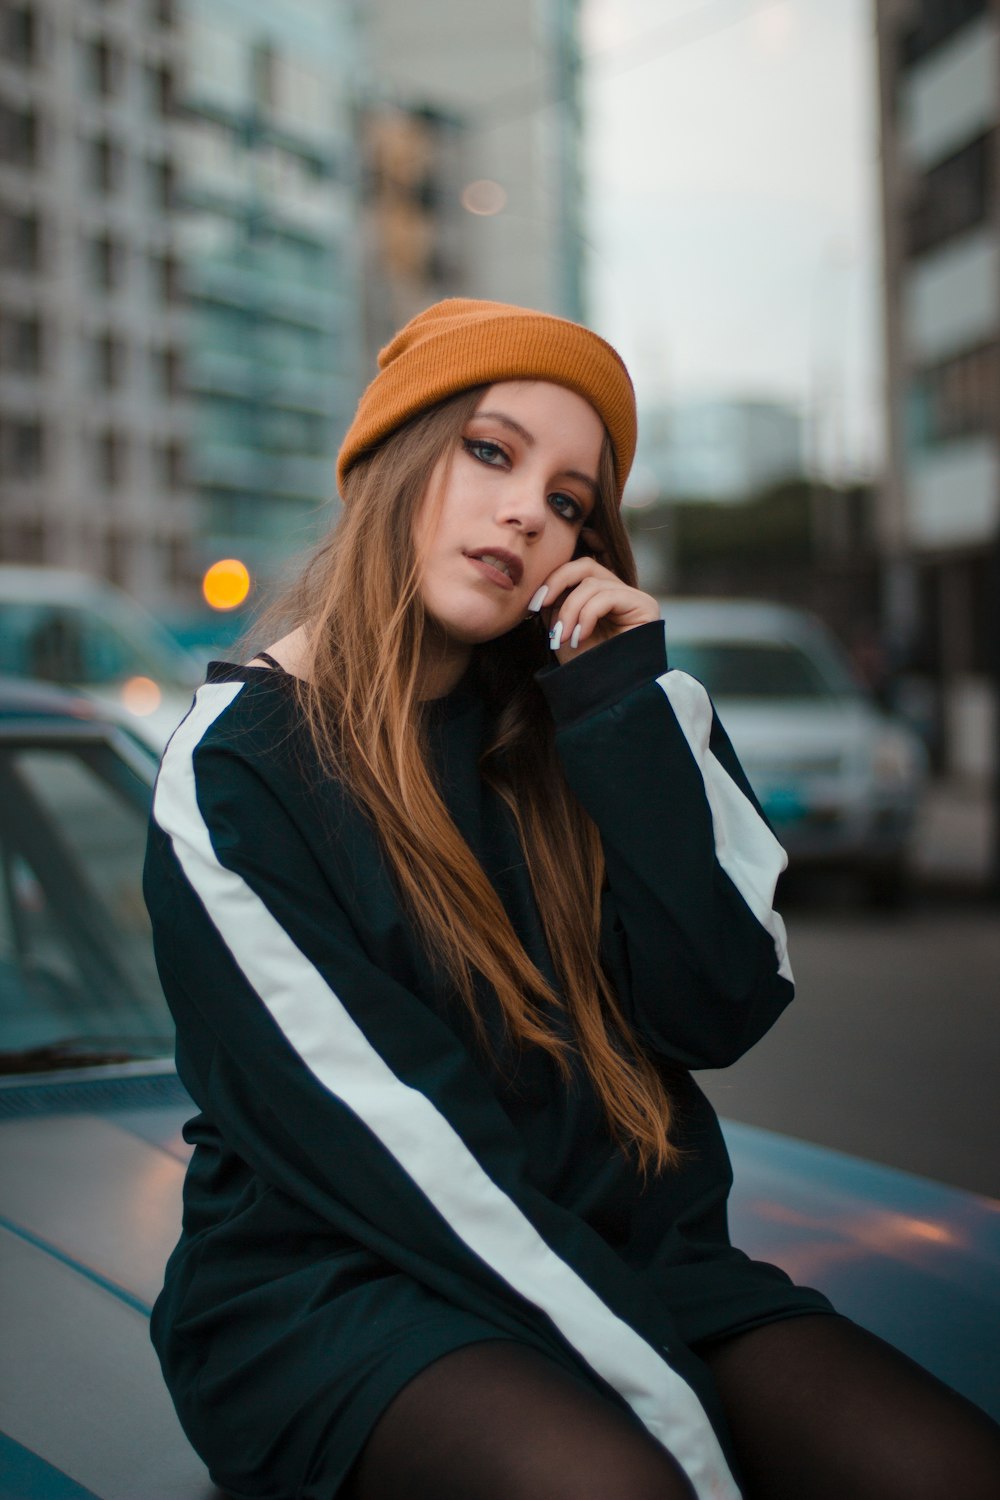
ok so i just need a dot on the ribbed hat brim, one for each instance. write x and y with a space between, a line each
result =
460 343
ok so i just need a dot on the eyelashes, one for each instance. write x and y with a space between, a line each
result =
494 456
478 446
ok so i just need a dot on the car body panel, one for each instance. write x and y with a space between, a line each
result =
81 1383
915 1261
115 1222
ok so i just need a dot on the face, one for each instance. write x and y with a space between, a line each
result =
508 511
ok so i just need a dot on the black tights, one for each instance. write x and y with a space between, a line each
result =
818 1408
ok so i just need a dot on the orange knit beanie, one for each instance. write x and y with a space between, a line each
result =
461 342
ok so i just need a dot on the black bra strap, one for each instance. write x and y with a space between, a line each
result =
265 656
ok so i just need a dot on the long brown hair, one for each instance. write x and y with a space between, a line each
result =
359 599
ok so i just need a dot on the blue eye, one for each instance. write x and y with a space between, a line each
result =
566 506
485 451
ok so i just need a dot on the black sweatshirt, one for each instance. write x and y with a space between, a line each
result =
370 1188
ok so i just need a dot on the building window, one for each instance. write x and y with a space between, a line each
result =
23 541
953 196
934 22
18 135
110 457
19 35
22 448
21 343
170 468
20 240
168 371
160 90
104 66
166 277
110 361
107 263
957 398
161 184
182 573
106 165
116 556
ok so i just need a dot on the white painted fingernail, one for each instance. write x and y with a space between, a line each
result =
555 635
574 639
538 598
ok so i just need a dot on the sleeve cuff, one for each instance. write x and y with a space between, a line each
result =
605 674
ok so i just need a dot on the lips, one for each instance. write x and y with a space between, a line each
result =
507 564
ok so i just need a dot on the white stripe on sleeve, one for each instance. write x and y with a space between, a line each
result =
744 845
336 1051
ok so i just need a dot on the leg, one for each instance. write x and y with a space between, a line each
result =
499 1421
820 1409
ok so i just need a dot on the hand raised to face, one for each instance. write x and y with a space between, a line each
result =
583 603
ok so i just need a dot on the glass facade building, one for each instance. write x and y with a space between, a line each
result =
267 214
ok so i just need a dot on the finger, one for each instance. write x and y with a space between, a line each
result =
592 600
571 573
596 609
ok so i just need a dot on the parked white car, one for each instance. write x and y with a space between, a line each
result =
839 779
65 627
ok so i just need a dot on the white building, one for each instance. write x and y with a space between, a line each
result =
940 508
180 344
93 418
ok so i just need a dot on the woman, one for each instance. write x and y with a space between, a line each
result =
451 888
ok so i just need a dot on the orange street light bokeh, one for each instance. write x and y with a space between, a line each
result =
226 583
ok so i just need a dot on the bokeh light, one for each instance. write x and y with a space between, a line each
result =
141 695
484 197
226 583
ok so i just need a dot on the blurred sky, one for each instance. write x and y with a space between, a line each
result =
732 201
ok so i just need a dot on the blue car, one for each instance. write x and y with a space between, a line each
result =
92 1159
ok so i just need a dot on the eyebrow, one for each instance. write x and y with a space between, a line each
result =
522 432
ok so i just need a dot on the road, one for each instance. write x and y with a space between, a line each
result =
891 1049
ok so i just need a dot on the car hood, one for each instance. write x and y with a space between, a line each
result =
91 1194
915 1261
91 1173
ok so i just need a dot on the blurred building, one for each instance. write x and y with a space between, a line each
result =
212 213
717 449
493 93
93 420
267 213
939 63
412 224
180 336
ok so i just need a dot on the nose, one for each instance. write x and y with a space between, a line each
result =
523 508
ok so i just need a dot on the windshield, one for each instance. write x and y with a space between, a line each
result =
78 983
758 669
85 647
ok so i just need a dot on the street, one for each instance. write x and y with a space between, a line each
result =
891 1049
